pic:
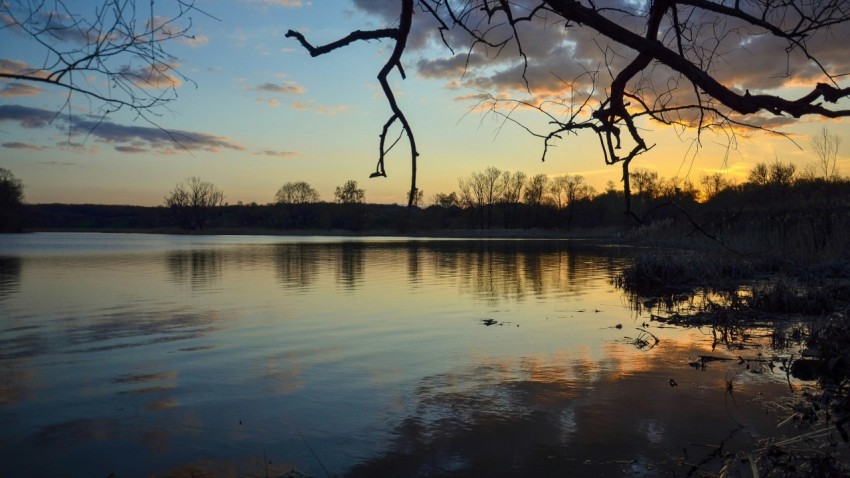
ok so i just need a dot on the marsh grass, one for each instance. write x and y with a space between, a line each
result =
800 305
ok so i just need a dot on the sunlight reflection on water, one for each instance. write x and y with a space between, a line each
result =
152 355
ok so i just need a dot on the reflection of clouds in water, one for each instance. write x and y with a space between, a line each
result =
162 404
560 416
115 331
157 383
22 342
18 381
81 430
568 424
282 373
137 329
653 430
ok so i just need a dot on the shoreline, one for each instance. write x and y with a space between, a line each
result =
606 235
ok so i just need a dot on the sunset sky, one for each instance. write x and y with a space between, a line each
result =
261 112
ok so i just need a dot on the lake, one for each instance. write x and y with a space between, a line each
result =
158 355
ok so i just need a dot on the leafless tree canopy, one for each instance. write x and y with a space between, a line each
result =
349 193
114 54
298 192
825 145
681 63
193 200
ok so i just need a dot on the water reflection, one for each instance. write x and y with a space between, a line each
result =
350 264
395 376
297 265
10 275
199 268
489 270
122 330
570 416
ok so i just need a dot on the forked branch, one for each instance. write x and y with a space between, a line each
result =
400 35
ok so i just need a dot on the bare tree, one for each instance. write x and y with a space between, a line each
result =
825 145
446 200
416 199
759 175
512 185
646 182
114 54
481 190
299 192
675 62
781 174
535 189
349 193
193 200
712 184
567 190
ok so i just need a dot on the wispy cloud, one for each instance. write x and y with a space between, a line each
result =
12 90
26 116
321 109
153 137
286 3
195 41
15 67
26 146
278 154
131 149
124 138
288 88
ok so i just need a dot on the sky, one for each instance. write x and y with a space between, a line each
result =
252 110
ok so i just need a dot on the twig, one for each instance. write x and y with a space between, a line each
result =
313 452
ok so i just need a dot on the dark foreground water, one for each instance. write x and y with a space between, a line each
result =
152 355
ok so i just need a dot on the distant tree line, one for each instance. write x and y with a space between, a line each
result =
493 199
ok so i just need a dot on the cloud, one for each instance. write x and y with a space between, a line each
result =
285 3
152 76
26 116
566 60
12 90
288 88
131 149
278 154
321 109
156 138
14 67
19 145
76 147
195 41
125 138
388 11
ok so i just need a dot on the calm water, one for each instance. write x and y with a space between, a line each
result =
151 355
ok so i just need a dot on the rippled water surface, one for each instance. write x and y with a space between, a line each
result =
154 355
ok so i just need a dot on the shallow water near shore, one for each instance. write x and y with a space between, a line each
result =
159 355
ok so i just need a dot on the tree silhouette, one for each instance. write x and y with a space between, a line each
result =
11 200
299 192
192 202
679 63
349 193
825 146
113 54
